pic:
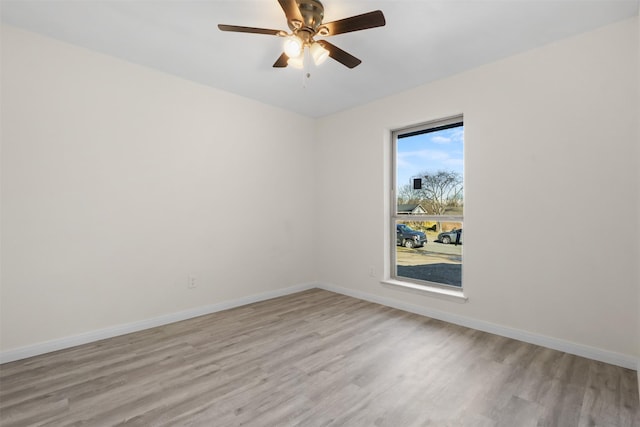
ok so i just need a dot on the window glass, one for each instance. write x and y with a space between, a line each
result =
428 203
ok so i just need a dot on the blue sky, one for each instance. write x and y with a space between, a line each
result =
434 151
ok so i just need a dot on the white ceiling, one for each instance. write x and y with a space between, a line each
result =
422 41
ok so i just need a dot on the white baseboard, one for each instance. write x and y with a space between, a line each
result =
601 355
545 341
85 338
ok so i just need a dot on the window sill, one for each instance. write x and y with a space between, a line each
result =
433 290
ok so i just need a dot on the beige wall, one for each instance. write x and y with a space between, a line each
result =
638 192
119 181
551 190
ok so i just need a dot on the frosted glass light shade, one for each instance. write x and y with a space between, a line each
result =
296 62
318 53
293 46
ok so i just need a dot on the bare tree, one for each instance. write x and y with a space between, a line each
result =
407 195
439 190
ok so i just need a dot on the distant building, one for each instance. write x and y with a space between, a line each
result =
411 209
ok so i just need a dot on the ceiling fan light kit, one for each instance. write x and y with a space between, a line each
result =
304 18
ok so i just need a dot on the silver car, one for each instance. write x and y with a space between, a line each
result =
453 236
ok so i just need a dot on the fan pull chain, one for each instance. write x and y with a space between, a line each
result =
306 75
305 67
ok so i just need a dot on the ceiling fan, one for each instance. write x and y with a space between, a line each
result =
304 18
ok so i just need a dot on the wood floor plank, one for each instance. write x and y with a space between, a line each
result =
315 358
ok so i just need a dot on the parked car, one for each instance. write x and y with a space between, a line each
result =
408 237
453 236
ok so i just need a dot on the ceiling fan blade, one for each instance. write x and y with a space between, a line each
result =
356 23
281 62
340 55
253 30
291 10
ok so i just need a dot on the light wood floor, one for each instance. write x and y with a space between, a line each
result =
315 359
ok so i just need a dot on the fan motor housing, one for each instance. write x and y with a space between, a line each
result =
312 12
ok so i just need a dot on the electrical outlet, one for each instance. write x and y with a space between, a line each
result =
372 271
191 282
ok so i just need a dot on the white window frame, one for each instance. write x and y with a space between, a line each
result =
406 282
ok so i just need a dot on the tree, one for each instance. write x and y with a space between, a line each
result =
439 190
407 195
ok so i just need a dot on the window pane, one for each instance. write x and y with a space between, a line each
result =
429 251
429 171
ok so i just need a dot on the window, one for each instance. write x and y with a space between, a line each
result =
427 204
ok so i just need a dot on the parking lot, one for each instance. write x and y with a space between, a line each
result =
434 262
